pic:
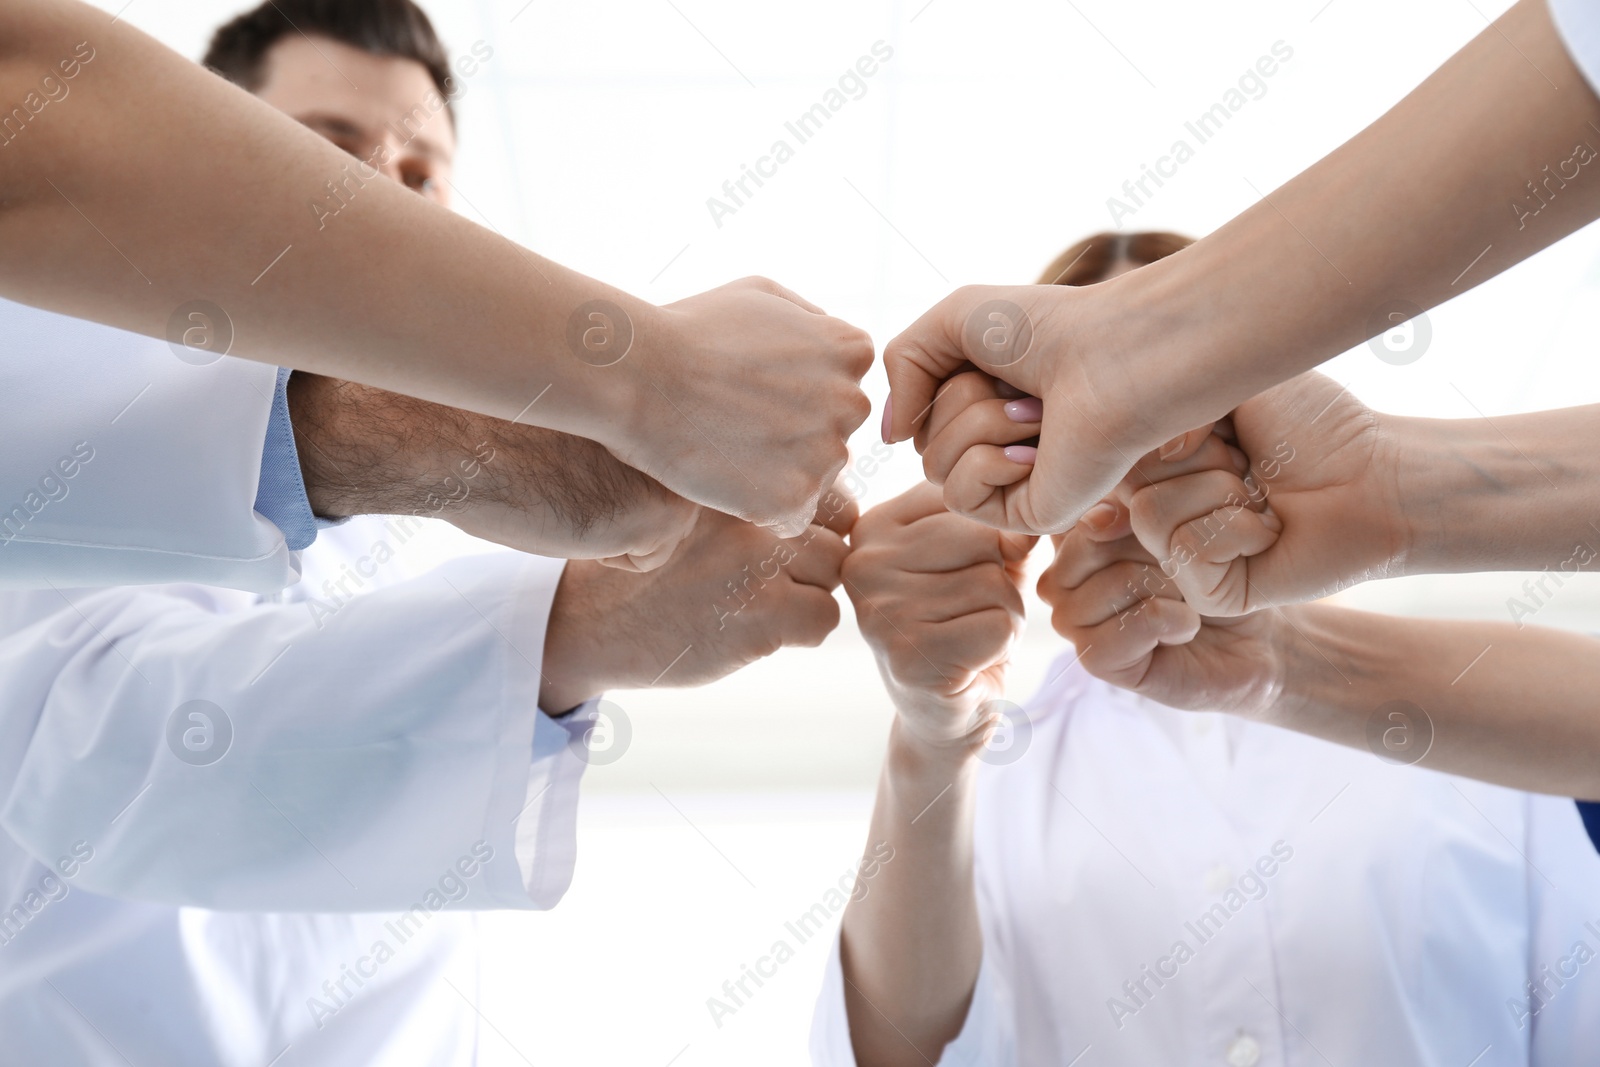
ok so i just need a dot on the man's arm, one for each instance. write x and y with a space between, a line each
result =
336 752
368 451
1506 133
120 194
733 594
353 743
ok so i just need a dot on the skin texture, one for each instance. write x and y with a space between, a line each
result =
366 451
393 291
938 600
1307 273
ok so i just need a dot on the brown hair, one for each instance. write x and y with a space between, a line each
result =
1092 258
395 28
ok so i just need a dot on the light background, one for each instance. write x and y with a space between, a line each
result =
991 140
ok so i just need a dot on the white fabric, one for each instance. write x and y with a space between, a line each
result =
1401 930
1578 22
385 762
164 458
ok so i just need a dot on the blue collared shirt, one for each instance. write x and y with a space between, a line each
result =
281 493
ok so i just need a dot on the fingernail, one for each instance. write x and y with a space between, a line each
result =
888 421
1173 447
1028 409
1022 454
1006 390
1100 516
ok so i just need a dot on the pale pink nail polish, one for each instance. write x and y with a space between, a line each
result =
888 421
1022 454
1028 409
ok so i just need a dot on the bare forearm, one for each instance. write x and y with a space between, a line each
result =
1517 492
1485 700
912 945
1417 208
370 451
152 184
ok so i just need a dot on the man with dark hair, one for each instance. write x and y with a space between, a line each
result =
178 760
394 29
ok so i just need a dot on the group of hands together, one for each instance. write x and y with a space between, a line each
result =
1160 575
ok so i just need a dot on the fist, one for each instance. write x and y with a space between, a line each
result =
1131 626
937 597
731 594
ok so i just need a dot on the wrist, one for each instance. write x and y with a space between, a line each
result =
1334 665
915 761
614 343
1165 389
575 647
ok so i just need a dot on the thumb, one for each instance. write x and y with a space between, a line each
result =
973 319
917 366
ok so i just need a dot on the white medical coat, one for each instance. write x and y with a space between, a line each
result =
378 755
123 464
1411 910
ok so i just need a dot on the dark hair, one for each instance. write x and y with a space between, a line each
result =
1092 258
396 28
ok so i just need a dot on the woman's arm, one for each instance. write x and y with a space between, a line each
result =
936 597
911 946
1491 159
1514 705
139 183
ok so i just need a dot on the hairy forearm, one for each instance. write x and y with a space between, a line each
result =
369 451
1516 492
1416 208
121 202
912 945
1507 704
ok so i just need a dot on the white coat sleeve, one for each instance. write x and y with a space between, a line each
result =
123 464
1564 938
345 761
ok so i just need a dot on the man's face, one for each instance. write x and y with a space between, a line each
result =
357 101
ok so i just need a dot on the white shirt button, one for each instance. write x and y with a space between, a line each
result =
1244 1051
1218 879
